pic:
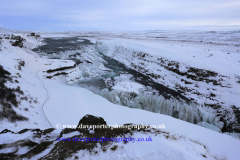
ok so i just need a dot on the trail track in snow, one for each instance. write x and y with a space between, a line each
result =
46 99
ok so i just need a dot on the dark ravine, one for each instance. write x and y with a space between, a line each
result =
66 44
147 79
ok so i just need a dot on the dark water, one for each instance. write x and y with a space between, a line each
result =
142 79
55 45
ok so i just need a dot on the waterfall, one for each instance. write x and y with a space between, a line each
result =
191 113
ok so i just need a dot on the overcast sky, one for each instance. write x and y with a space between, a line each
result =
81 15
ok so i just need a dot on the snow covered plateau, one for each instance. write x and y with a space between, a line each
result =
188 82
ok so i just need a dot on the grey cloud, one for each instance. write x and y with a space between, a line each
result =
123 14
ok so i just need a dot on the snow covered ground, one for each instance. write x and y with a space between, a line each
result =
202 66
58 103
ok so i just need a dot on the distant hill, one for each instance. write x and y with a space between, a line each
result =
6 30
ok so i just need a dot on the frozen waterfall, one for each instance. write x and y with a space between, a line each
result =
191 113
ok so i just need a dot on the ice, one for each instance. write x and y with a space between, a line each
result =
128 87
158 104
91 63
74 76
209 126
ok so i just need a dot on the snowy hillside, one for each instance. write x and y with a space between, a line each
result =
202 66
50 96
